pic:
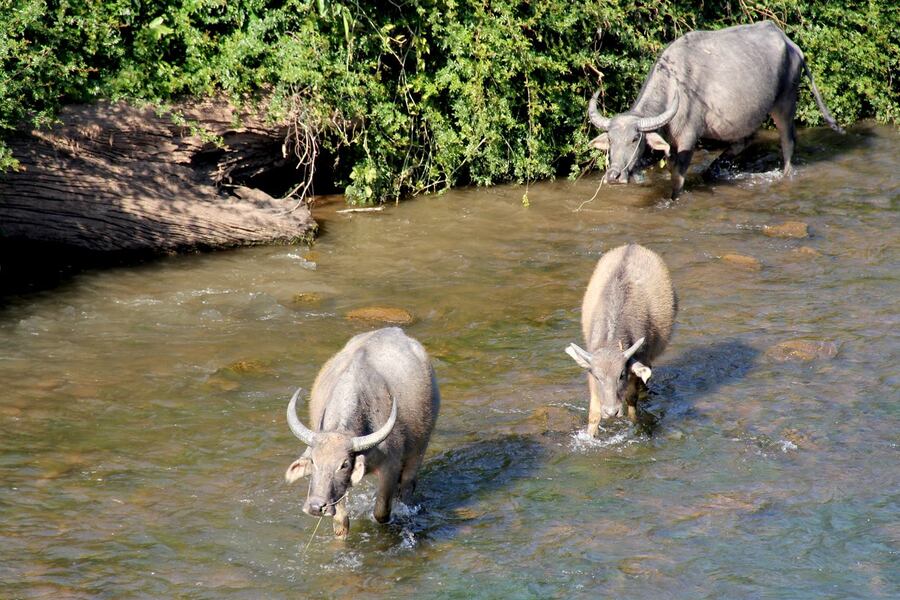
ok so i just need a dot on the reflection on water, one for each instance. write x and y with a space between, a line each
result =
144 440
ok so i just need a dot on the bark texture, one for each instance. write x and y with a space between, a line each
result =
114 177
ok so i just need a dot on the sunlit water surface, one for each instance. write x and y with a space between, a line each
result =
144 442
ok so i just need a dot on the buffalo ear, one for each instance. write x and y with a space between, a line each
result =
642 371
657 142
601 142
298 469
359 469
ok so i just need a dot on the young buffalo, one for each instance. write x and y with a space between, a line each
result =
626 317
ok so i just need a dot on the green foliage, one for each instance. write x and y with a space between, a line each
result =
419 95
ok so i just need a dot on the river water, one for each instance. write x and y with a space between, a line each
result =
142 412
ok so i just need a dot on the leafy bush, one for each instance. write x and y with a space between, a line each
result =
419 95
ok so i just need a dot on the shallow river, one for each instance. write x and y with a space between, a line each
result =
144 442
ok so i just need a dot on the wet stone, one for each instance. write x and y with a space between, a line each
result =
802 350
248 367
222 384
742 261
553 418
807 251
788 229
796 437
384 314
307 298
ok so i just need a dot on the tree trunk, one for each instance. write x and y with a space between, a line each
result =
113 177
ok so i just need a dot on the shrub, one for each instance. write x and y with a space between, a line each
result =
420 95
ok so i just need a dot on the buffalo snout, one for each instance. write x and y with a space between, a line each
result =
612 411
316 507
614 175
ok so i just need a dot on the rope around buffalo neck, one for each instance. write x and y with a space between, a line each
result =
313 536
631 160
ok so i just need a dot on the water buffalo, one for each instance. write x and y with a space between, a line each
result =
373 406
626 318
715 85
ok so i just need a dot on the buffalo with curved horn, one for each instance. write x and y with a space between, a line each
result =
713 85
375 404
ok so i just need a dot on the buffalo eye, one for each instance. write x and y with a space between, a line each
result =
636 138
345 465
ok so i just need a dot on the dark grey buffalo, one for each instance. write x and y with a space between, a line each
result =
626 318
715 85
373 407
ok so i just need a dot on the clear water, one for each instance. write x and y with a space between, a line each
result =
137 461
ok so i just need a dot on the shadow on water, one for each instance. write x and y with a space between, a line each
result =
455 486
696 372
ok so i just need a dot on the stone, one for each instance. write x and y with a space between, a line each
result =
248 367
742 261
553 418
788 229
307 298
806 251
384 314
802 350
796 437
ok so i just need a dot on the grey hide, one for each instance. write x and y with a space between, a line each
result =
351 408
626 318
716 85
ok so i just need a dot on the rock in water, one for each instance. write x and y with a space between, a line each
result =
383 314
307 298
802 350
743 261
807 252
788 229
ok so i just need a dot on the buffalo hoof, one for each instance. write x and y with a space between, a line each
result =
341 528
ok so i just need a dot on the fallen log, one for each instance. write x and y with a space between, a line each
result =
115 177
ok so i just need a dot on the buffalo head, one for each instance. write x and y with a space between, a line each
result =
334 460
610 369
626 136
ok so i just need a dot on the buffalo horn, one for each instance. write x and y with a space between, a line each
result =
599 121
300 430
634 348
653 123
363 443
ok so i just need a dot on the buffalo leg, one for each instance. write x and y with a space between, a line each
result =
631 394
712 171
387 486
341 521
784 121
408 479
679 169
594 413
783 113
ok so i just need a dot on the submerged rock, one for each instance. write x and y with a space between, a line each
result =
553 418
307 298
802 350
796 437
743 261
807 251
384 314
247 367
788 229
